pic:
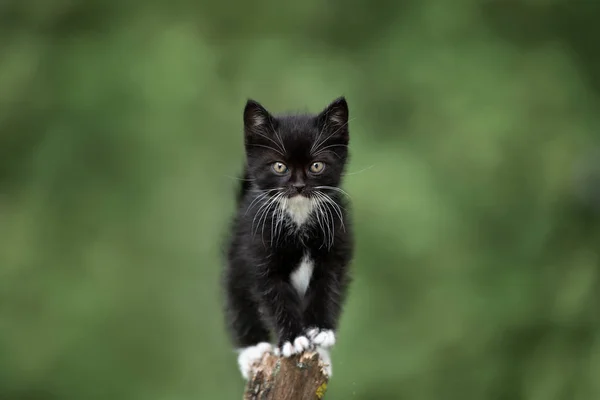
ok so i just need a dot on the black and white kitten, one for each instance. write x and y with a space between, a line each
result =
291 242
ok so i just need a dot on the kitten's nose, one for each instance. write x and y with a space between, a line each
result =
299 187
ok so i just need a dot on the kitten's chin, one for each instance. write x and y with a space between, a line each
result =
298 207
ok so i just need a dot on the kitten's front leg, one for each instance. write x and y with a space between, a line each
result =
323 309
283 306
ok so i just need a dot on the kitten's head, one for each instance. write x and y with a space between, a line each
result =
297 154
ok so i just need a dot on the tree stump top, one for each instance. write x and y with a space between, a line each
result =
300 377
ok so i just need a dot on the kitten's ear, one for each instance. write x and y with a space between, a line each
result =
335 116
256 117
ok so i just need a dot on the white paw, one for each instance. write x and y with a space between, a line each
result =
301 343
322 337
326 359
251 355
287 349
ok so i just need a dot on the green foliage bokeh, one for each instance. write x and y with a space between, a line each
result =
474 182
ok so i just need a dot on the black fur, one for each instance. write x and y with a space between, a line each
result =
262 254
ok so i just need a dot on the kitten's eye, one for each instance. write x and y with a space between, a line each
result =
317 167
279 168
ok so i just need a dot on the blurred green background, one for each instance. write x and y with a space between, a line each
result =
475 182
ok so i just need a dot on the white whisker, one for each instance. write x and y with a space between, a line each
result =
265 214
342 191
282 215
322 142
280 218
336 207
267 147
261 196
277 219
263 209
325 126
317 206
276 205
274 142
322 150
277 136
257 200
330 225
239 179
358 172
327 214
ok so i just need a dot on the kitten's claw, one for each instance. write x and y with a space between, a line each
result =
251 355
300 344
311 333
322 337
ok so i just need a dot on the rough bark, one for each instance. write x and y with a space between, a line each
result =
299 377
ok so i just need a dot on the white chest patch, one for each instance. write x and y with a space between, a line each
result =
298 208
300 277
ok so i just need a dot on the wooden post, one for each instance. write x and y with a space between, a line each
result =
299 377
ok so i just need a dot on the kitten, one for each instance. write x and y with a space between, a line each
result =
291 241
